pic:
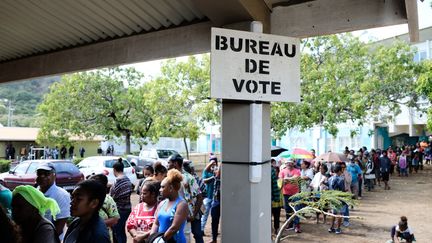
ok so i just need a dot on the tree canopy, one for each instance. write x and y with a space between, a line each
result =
103 102
344 79
424 87
180 98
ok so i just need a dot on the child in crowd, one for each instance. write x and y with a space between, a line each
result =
403 231
336 182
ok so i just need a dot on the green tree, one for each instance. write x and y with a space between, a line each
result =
180 97
424 87
103 102
344 79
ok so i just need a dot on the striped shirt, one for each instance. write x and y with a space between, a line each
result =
275 196
121 191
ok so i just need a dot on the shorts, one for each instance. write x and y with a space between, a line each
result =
385 176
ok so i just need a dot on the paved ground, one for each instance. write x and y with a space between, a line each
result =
379 210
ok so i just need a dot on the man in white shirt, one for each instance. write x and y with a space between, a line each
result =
46 176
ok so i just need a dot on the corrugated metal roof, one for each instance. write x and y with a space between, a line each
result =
30 27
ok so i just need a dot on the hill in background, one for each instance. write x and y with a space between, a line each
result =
25 96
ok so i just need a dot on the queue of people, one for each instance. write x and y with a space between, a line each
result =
171 199
361 170
169 208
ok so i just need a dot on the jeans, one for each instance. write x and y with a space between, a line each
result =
369 183
207 205
288 209
355 189
119 228
215 214
196 230
346 213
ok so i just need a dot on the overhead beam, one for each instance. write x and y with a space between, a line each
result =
323 17
180 41
224 12
413 24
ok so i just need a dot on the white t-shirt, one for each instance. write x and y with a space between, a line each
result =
305 184
408 230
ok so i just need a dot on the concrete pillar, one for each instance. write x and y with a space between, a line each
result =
246 205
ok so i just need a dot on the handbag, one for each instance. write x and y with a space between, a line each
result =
157 238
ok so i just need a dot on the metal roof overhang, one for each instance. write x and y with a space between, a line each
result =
49 37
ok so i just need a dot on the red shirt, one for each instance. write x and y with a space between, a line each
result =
289 188
140 219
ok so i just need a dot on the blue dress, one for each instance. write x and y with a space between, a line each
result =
166 218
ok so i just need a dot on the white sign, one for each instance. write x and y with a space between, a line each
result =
254 66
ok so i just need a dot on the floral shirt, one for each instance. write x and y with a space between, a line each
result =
190 191
141 219
109 210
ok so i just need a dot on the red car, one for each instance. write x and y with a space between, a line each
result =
67 174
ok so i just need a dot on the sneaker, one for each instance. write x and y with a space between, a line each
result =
331 230
297 229
290 228
346 223
338 231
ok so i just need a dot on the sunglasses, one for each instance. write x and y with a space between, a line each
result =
44 173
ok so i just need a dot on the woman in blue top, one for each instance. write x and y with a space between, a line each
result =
172 212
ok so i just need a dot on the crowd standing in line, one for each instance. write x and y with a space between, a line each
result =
176 203
362 170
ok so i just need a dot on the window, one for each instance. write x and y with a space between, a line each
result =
32 168
297 142
331 144
164 153
21 168
111 162
65 168
420 56
343 142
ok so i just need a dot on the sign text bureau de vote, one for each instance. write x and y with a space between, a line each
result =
254 66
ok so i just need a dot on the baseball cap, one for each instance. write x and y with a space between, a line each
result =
46 166
289 160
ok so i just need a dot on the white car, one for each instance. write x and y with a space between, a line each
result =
152 155
104 165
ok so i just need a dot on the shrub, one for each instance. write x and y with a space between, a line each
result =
4 165
77 160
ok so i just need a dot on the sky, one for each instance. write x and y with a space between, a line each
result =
152 69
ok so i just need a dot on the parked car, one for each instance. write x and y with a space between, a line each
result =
140 164
67 174
153 155
104 165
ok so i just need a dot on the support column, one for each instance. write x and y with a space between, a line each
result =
246 190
